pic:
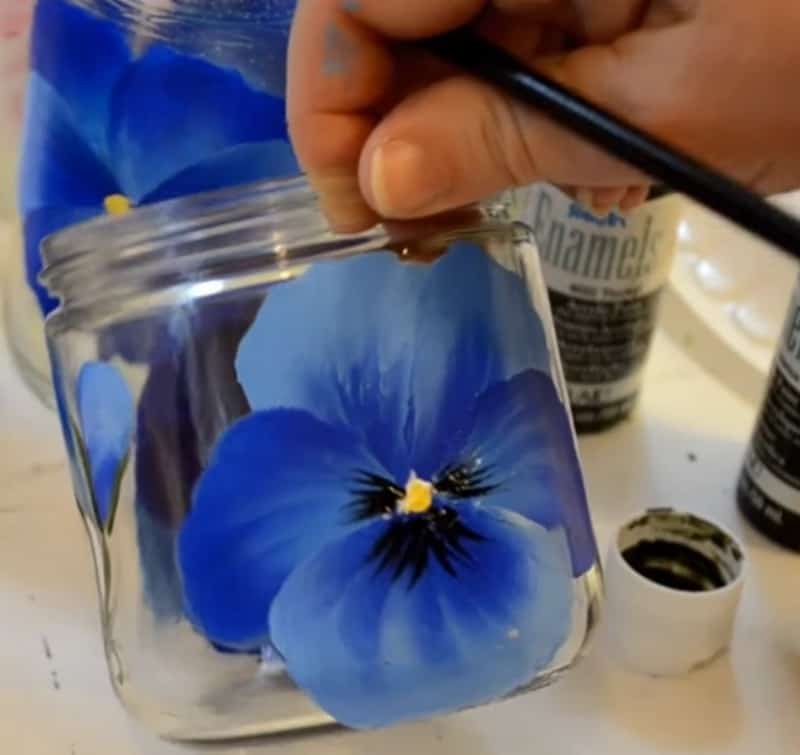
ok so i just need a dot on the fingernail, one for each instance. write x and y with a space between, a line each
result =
632 202
604 210
405 181
585 197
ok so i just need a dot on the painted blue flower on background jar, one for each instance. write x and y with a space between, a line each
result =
344 484
132 102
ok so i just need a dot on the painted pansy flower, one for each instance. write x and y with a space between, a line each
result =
402 515
110 126
106 415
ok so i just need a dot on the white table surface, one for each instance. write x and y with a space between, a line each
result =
55 698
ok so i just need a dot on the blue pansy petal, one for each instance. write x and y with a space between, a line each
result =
232 167
59 168
277 489
172 111
336 341
519 431
474 326
62 181
82 56
372 651
106 412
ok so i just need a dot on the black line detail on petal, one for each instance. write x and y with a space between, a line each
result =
373 496
469 479
412 542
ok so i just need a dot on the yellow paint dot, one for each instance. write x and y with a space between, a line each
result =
117 204
419 496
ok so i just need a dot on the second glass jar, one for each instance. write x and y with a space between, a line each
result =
133 102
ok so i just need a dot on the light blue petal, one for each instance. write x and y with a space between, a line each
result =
373 651
474 326
59 168
278 488
107 417
172 111
232 167
78 473
62 181
396 351
520 433
337 342
82 56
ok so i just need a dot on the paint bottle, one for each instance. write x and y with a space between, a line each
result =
769 485
604 276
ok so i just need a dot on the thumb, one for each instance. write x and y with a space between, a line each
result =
460 140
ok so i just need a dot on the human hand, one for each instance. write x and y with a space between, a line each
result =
385 132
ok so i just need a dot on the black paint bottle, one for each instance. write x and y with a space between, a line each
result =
769 486
604 277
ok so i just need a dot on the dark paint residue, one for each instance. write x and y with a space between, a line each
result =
674 565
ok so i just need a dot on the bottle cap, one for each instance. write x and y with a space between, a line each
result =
673 584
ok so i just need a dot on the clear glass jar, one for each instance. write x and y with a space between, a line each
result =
172 99
324 477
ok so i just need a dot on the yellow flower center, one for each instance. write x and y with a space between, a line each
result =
117 204
418 498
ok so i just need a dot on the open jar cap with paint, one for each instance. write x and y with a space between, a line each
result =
673 586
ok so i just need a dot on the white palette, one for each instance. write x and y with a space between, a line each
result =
727 297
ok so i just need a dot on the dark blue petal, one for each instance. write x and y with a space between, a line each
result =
474 326
278 488
82 56
520 432
373 651
171 111
106 411
337 342
232 167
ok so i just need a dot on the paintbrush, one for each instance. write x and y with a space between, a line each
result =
472 54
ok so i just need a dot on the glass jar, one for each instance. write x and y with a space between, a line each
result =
175 98
343 484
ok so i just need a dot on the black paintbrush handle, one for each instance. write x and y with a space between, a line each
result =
474 55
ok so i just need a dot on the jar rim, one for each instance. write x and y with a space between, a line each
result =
276 223
271 219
